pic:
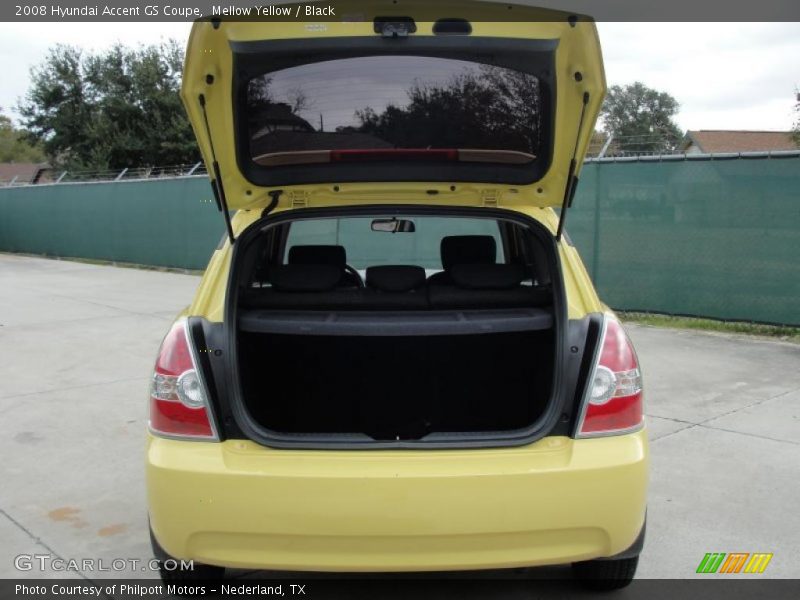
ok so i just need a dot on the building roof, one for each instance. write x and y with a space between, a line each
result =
24 172
266 118
712 141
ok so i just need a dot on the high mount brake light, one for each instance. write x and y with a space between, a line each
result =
179 406
400 154
613 403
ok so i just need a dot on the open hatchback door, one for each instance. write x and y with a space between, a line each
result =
417 282
411 98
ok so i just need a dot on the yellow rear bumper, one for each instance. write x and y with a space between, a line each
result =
238 504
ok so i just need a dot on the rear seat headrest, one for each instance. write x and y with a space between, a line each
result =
304 278
395 278
318 255
487 277
467 249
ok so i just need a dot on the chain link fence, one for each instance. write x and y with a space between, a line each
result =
714 236
50 175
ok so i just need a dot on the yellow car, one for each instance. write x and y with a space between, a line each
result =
395 360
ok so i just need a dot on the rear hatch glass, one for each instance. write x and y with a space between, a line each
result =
390 108
357 109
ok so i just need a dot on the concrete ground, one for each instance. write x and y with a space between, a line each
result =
77 345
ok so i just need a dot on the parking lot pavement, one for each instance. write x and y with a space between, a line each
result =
77 345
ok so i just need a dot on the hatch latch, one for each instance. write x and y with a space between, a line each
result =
490 198
298 199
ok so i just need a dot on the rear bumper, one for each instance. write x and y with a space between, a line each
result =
238 504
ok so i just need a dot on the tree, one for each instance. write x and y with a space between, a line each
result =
641 119
110 110
796 131
259 95
14 147
492 108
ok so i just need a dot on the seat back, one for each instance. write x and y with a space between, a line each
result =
467 249
482 286
463 250
324 255
395 287
318 255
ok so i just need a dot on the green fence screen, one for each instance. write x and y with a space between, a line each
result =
707 237
169 222
715 237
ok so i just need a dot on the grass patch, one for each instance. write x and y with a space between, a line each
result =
781 332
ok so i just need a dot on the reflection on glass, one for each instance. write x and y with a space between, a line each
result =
390 103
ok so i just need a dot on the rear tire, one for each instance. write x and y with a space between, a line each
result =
605 575
172 574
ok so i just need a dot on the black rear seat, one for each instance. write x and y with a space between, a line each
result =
478 286
396 287
317 255
324 255
306 287
471 280
304 278
463 250
314 287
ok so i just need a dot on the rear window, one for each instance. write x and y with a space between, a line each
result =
366 247
381 107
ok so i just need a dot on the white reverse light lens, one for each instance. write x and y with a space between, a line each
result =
629 383
163 387
189 389
603 386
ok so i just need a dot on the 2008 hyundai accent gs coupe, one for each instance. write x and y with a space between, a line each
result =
395 360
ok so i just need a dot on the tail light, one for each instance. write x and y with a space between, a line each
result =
613 401
395 154
179 404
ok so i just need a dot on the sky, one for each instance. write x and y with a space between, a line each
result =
724 75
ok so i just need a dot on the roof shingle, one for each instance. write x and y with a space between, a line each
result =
24 172
713 141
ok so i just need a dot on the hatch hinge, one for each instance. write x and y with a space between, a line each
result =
298 199
490 198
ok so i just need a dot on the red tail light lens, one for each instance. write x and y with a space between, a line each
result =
178 401
613 402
